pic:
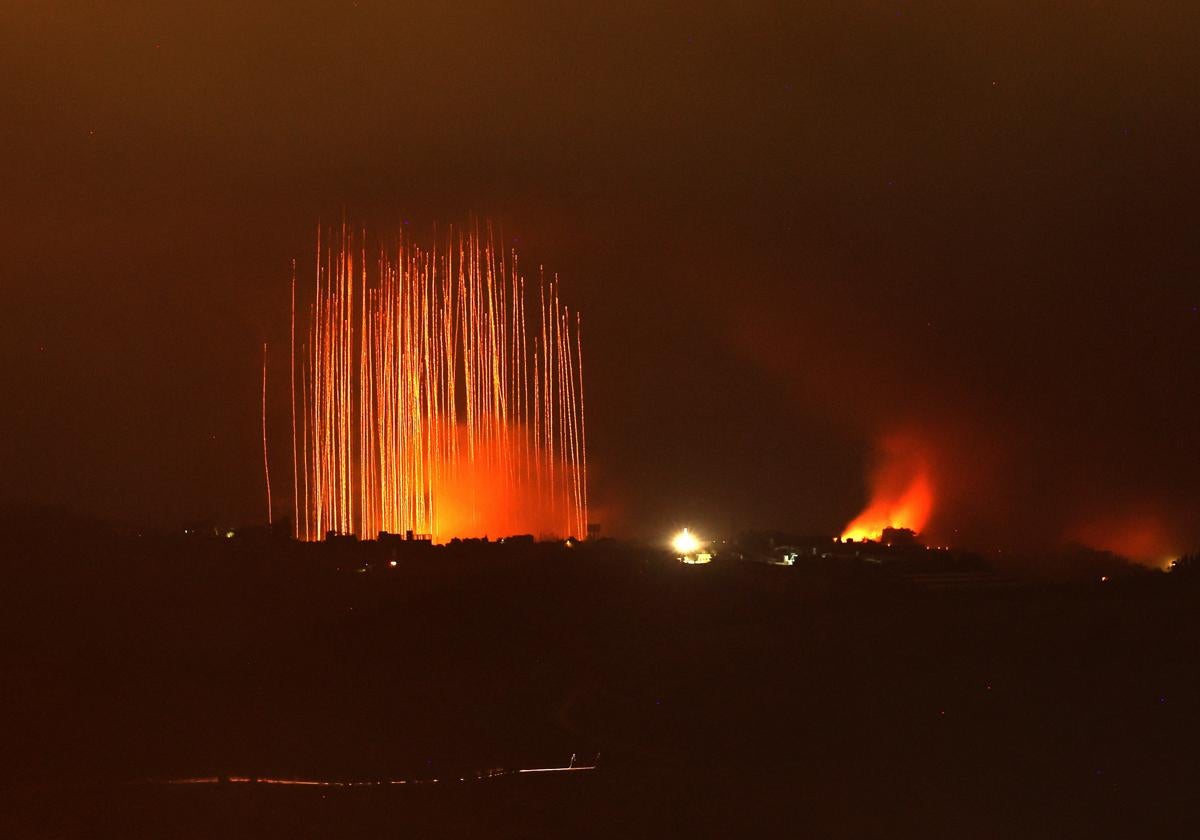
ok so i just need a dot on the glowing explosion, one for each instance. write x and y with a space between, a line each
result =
685 542
901 493
430 401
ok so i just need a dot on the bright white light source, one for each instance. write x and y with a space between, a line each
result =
685 543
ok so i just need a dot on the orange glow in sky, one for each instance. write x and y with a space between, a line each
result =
1142 538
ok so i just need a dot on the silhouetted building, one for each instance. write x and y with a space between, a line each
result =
899 537
408 537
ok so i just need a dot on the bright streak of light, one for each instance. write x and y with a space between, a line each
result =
266 461
260 780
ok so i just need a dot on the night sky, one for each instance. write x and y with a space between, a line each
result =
795 231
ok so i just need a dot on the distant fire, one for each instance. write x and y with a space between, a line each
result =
1142 538
901 493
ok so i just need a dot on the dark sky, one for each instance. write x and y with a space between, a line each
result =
794 230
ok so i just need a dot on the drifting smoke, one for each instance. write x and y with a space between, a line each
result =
901 491
1142 538
427 398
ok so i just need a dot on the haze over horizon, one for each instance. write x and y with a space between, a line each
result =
802 240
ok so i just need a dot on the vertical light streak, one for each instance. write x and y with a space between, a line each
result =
266 462
583 480
292 409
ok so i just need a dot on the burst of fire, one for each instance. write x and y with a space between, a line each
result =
901 494
690 549
431 401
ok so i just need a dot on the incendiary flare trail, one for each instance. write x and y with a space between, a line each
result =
431 400
266 460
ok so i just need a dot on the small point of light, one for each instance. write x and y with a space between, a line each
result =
392 563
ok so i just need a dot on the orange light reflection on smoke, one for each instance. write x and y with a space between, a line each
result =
901 493
1142 538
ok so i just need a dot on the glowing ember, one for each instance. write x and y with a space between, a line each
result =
430 402
901 494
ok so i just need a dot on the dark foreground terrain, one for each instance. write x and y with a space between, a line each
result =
736 699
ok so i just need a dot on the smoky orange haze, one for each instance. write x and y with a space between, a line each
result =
1143 537
481 500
